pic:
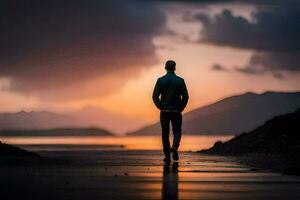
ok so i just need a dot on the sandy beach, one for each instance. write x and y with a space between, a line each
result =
139 175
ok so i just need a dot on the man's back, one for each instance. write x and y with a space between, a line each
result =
172 91
170 97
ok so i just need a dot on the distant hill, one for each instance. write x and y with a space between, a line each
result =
234 114
89 116
58 132
34 120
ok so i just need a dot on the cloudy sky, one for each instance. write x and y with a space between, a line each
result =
61 55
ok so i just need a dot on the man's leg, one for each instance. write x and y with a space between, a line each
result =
176 121
165 128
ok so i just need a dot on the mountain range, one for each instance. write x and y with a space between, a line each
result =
233 115
83 118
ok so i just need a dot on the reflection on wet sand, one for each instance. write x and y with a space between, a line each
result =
170 182
141 175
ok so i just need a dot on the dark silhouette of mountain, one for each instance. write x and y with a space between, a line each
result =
58 132
276 144
234 114
278 135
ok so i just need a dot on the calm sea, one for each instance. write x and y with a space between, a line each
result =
81 143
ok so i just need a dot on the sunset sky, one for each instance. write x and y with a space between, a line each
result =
61 55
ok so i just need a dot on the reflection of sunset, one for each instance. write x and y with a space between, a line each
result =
189 143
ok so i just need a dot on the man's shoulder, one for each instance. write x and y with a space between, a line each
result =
162 78
179 78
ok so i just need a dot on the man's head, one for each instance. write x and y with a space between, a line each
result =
170 66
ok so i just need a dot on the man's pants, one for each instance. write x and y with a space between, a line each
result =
176 120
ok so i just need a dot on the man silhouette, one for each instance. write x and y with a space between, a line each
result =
170 96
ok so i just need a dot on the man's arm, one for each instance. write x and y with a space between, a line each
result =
156 94
184 96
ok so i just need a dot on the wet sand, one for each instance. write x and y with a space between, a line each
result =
140 175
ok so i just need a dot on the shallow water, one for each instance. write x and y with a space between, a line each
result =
62 143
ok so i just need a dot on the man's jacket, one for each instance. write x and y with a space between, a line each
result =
170 93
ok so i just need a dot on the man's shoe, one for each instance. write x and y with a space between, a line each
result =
167 159
174 154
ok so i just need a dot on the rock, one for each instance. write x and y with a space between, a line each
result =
9 150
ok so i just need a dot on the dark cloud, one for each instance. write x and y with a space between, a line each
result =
278 75
218 67
273 62
249 70
49 46
273 35
272 30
